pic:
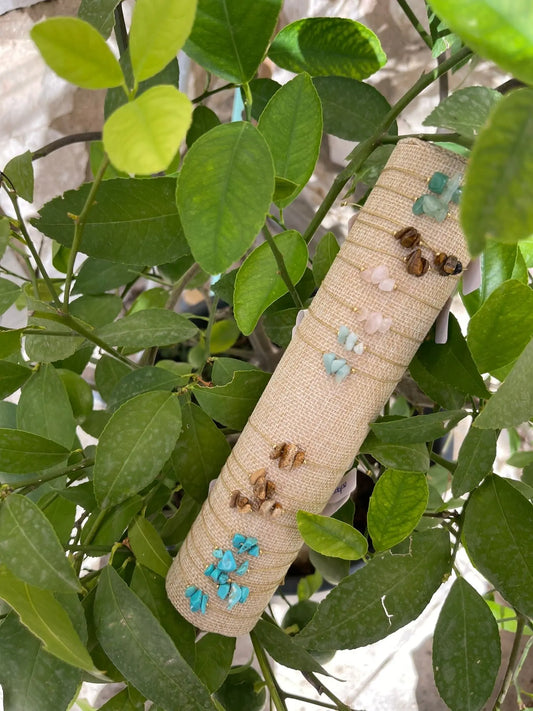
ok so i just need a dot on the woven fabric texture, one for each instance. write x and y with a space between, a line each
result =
303 405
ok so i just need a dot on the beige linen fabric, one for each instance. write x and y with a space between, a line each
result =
305 406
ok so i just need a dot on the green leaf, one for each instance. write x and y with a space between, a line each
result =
155 298
10 342
214 654
140 648
450 364
120 702
259 284
96 310
44 348
475 459
133 221
24 452
158 31
498 31
352 109
408 458
512 404
200 452
5 234
325 253
263 90
144 135
77 52
232 404
496 197
292 126
107 375
502 327
147 328
143 380
30 548
331 537
223 335
331 569
98 275
147 546
465 111
382 596
284 650
279 324
115 522
520 459
135 444
309 585
466 649
100 14
203 120
328 46
40 612
44 408
19 170
225 368
396 506
232 165
498 537
30 677
229 38
12 376
420 428
150 588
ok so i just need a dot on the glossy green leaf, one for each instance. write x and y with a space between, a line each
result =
135 444
408 458
140 648
107 374
203 120
466 649
19 170
30 677
262 89
259 284
229 38
279 324
100 14
61 513
12 376
98 275
42 614
150 588
110 529
292 126
147 546
77 52
500 31
10 342
133 221
200 452
331 569
227 172
513 402
521 459
24 452
325 253
475 460
45 348
44 408
153 43
243 688
30 548
96 310
143 380
450 365
144 135
155 298
224 369
121 702
284 650
328 46
465 111
500 330
382 596
223 335
150 327
495 202
214 654
352 109
232 404
309 585
397 503
498 536
331 537
420 428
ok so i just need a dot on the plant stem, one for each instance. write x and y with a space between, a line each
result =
211 321
513 658
247 101
450 466
319 686
433 137
85 137
413 19
273 687
121 33
180 285
210 92
79 225
284 274
323 704
365 148
34 253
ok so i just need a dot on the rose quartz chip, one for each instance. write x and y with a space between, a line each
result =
373 322
385 325
379 274
387 284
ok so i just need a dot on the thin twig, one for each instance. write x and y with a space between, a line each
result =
321 689
282 269
85 137
513 658
272 684
413 19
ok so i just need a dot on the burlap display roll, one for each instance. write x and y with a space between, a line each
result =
306 407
